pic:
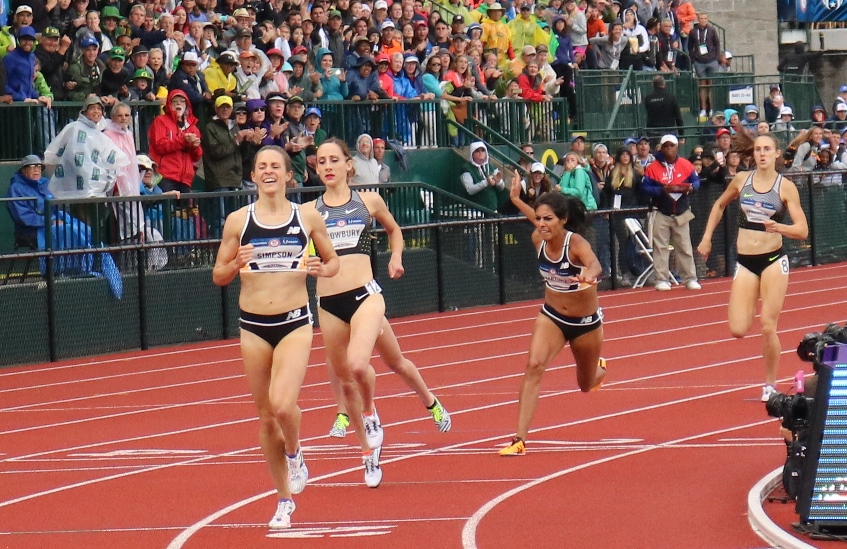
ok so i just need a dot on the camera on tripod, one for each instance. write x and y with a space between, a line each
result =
793 409
812 346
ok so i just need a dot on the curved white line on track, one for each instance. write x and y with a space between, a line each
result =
469 531
186 534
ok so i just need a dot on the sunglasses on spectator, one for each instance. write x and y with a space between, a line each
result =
260 109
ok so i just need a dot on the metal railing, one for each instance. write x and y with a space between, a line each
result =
454 258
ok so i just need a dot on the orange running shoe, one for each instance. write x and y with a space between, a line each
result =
516 448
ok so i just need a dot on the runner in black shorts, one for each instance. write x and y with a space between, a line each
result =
267 244
571 312
762 271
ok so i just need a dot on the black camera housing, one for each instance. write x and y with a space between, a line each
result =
794 410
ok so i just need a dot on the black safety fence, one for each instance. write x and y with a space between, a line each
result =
137 294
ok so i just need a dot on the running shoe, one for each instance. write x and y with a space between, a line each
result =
516 448
440 416
339 428
767 392
282 518
373 430
298 473
602 364
373 472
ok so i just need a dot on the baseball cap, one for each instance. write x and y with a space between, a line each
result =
274 51
630 141
526 7
334 13
225 57
190 57
727 54
26 32
241 106
460 36
117 53
246 53
722 131
88 41
241 12
841 107
296 99
275 96
23 9
50 32
643 138
411 59
387 24
383 58
598 146
223 100
243 33
420 24
536 167
299 49
843 88
458 19
110 12
145 161
719 114
314 110
142 73
139 49
670 138
575 137
381 5
528 50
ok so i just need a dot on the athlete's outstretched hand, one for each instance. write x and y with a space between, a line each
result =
704 249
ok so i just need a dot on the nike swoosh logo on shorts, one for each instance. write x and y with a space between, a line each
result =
361 297
774 258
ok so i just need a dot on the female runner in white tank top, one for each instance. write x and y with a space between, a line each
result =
762 270
267 244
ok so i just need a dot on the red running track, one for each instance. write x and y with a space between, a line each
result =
159 449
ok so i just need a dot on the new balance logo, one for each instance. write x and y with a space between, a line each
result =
294 314
587 320
293 230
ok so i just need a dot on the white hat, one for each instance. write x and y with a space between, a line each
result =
727 54
381 5
23 9
786 110
598 146
387 24
841 106
669 138
145 161
536 167
190 57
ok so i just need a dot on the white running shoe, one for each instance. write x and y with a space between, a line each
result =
693 285
373 472
373 430
703 115
663 286
282 518
298 473
767 392
440 416
339 428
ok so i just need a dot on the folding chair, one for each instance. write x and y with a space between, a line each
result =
644 248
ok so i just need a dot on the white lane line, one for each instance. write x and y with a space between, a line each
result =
422 368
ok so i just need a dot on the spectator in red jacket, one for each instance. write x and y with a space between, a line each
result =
175 143
532 84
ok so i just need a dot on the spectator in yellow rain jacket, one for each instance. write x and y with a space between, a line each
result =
496 35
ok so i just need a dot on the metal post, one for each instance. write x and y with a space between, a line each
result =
141 259
612 255
439 269
501 262
813 237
